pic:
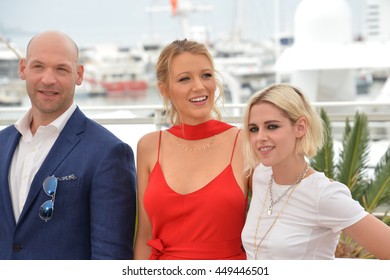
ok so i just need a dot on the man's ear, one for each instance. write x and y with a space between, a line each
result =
22 68
80 74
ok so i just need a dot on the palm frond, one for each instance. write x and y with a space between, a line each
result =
324 159
354 155
347 130
386 218
378 191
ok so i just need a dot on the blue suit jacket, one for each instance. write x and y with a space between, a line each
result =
94 214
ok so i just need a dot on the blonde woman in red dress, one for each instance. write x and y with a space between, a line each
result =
192 193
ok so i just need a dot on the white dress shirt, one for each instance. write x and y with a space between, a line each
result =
30 154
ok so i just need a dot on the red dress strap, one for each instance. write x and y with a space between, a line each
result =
159 144
234 146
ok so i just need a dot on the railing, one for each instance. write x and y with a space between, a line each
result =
378 113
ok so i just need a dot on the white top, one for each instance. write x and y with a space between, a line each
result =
30 154
310 225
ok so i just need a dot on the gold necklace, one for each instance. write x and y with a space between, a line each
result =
291 189
195 149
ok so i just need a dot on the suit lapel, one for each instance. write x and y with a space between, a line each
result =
64 144
10 147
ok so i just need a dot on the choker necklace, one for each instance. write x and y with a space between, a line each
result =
292 188
272 201
200 131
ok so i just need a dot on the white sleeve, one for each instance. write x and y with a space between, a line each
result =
337 209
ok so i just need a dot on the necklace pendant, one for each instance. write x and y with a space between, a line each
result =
269 211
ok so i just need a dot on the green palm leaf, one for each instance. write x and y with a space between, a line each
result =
378 191
354 154
324 159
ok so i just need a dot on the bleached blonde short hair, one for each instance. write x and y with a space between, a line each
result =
295 105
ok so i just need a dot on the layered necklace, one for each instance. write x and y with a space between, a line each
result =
272 201
269 194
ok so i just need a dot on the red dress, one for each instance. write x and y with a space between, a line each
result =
205 224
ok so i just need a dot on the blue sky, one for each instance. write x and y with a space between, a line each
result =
126 22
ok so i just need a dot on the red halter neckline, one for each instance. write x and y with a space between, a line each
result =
200 131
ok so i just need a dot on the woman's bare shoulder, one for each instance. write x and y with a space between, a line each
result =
148 140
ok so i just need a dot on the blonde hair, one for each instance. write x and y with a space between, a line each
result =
295 105
163 72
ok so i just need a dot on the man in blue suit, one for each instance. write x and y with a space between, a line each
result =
67 185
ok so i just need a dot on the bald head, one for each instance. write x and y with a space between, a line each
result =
51 71
53 39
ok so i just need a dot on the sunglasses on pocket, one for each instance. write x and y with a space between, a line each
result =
47 208
50 187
